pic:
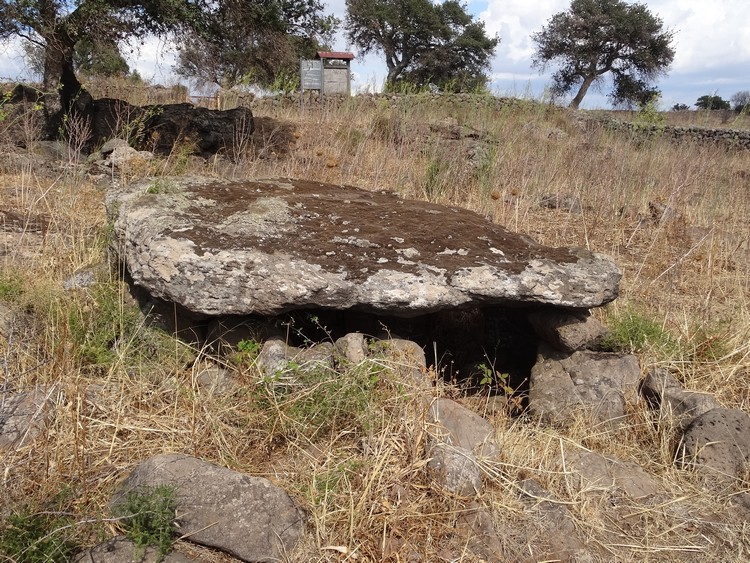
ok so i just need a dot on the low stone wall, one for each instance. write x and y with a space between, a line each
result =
729 138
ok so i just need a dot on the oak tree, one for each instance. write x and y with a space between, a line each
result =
253 42
595 38
58 26
423 42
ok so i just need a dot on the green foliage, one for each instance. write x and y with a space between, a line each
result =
598 37
649 115
709 102
11 288
148 515
436 178
632 331
258 42
315 401
162 186
423 42
247 352
680 107
134 130
98 57
36 537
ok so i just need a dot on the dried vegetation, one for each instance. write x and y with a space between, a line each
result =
676 218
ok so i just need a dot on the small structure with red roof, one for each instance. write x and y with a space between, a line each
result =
328 73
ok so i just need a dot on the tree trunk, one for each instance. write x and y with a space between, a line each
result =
63 92
587 82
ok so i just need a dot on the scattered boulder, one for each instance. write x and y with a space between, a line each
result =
569 203
352 348
597 383
595 472
475 524
717 443
565 330
23 416
456 425
662 391
247 517
561 541
455 469
275 358
219 247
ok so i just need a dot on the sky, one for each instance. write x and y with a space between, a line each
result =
712 43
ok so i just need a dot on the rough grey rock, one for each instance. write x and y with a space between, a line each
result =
663 391
567 331
122 550
109 146
475 524
717 443
561 538
455 468
23 416
352 348
247 517
595 382
215 380
316 357
124 155
456 425
407 360
596 472
275 358
219 247
569 203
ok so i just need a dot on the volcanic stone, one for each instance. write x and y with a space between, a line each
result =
220 247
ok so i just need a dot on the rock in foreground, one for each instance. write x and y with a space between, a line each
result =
220 247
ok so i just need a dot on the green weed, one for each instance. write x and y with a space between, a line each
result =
36 537
632 331
148 517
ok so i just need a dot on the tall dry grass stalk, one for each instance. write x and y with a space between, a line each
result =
364 485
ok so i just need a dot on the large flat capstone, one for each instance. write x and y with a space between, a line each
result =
220 247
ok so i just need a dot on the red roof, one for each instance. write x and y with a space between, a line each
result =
335 55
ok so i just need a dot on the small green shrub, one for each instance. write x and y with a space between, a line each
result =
11 288
31 537
162 186
148 517
632 331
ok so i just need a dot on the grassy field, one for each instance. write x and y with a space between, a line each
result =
351 453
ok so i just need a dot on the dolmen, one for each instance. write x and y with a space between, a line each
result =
265 247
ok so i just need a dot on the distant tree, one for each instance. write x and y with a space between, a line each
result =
92 57
598 37
680 107
423 42
712 102
254 42
741 101
100 58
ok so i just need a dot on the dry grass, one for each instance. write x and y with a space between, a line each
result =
364 484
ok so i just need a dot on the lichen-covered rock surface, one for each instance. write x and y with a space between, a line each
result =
220 247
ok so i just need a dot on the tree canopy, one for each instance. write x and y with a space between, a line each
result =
254 42
59 25
423 42
599 37
741 101
712 101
